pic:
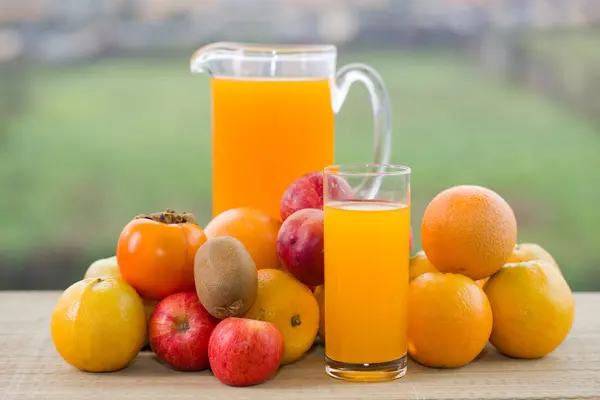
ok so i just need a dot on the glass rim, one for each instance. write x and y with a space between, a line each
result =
363 170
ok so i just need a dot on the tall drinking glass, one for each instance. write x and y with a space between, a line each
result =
367 234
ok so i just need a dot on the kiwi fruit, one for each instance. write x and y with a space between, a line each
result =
225 276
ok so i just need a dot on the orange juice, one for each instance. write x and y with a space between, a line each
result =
366 280
267 133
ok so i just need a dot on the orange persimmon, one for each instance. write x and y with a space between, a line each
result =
156 253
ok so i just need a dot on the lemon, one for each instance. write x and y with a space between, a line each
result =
104 267
532 306
523 252
149 306
98 324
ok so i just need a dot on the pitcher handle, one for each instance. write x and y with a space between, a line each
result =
382 112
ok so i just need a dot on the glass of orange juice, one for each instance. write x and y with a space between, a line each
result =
367 234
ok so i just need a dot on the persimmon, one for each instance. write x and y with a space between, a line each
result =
156 253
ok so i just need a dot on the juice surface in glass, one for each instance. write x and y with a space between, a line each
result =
366 280
267 133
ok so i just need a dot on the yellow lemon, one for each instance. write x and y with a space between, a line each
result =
530 252
533 309
291 306
149 306
98 324
103 268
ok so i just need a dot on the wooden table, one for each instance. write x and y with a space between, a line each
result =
30 368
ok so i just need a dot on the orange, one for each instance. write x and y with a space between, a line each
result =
320 296
533 309
481 282
420 264
449 320
290 305
256 229
98 324
469 230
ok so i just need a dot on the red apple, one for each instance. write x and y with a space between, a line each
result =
179 330
307 192
300 246
244 352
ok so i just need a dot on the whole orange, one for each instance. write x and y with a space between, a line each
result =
256 229
533 309
469 230
419 265
449 320
291 306
320 296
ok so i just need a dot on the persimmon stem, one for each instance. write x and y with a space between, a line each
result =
169 217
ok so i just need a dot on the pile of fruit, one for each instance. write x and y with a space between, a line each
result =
236 296
245 295
473 283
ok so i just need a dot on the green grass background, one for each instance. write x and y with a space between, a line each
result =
100 143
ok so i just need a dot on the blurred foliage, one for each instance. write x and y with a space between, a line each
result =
99 143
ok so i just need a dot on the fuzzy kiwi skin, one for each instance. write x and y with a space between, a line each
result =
225 276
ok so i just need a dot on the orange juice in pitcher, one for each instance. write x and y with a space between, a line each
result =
265 134
273 113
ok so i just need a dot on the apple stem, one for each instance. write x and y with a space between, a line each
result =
184 326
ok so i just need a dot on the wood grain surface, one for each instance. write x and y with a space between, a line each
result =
30 368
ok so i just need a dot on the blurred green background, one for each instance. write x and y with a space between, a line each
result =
100 119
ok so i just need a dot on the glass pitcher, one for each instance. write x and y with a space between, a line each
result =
273 113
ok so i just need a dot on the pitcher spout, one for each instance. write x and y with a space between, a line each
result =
204 59
199 62
264 60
